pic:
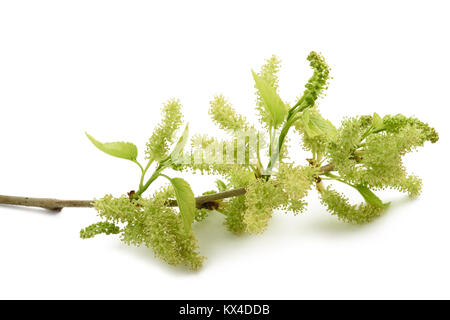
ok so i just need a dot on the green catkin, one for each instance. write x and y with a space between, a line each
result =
318 82
225 116
315 134
238 177
393 124
234 215
337 204
99 228
117 210
163 135
151 223
341 148
295 183
234 208
163 232
261 198
369 155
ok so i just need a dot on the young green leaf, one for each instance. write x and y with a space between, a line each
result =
272 101
186 201
370 197
124 150
315 125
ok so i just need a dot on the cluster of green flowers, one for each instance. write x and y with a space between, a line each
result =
318 83
365 152
368 150
339 205
99 228
295 181
225 116
150 222
252 212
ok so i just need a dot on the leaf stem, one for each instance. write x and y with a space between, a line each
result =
144 171
153 177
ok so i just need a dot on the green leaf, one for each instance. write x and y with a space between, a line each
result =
124 150
186 201
272 101
315 125
370 197
177 152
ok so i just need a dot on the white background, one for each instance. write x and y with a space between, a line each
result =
107 66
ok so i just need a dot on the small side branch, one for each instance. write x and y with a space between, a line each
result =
46 203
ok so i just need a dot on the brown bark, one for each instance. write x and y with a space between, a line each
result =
46 203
